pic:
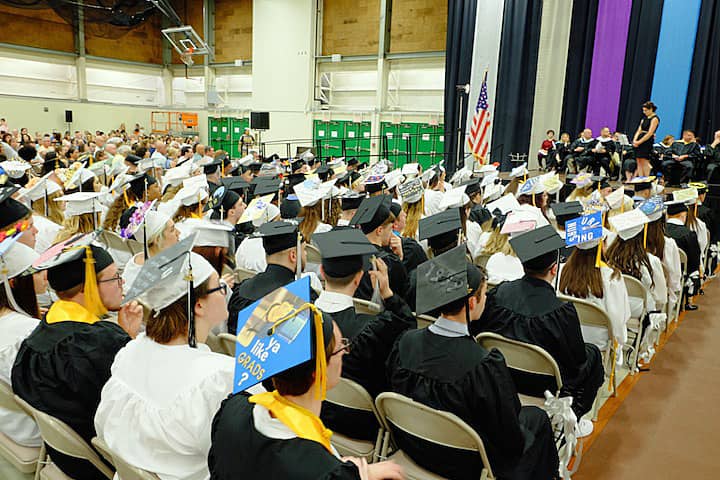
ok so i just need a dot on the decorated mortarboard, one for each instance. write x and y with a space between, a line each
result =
676 206
445 279
215 201
653 207
372 213
582 179
15 168
642 183
256 209
278 332
375 183
411 191
518 222
343 251
584 230
552 183
409 169
505 204
531 186
537 248
629 224
440 224
701 187
169 276
688 195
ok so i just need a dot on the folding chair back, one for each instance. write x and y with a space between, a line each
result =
243 274
64 439
125 470
402 415
424 321
350 395
366 307
636 289
313 254
120 249
532 368
24 459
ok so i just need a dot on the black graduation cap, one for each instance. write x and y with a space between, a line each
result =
479 214
210 168
352 161
472 186
266 187
343 251
134 159
600 181
11 210
27 152
372 213
440 224
537 249
278 236
351 201
221 200
290 207
236 184
565 211
294 179
137 184
362 166
297 164
445 279
676 206
324 173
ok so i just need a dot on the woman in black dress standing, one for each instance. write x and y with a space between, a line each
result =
645 138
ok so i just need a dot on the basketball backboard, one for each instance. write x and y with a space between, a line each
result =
187 42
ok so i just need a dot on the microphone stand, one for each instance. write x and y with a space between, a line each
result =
458 155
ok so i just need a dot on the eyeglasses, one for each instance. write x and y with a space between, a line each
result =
222 288
116 278
345 344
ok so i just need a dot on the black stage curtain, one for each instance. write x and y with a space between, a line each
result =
579 63
517 69
458 67
639 69
702 110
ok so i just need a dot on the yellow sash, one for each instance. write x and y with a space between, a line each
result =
62 311
303 422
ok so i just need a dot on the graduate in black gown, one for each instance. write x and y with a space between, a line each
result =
375 219
686 240
528 310
212 171
63 365
286 258
581 155
278 434
441 366
602 152
372 336
685 154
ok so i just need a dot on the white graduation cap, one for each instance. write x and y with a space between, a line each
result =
42 187
192 194
616 198
393 178
489 178
80 202
199 180
306 155
246 160
411 191
80 176
519 171
209 233
460 176
310 192
17 259
491 167
493 191
551 182
410 169
505 204
531 186
177 175
629 224
15 168
257 208
455 198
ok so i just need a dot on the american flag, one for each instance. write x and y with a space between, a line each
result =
478 136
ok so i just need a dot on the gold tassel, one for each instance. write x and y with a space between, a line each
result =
127 200
200 215
93 302
611 380
645 236
320 360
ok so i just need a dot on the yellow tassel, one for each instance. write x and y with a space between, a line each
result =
127 200
320 360
696 209
645 236
222 168
598 256
533 200
93 302
611 380
200 215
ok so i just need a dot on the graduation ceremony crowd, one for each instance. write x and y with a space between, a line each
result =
89 338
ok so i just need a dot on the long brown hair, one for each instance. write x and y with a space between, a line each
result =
512 187
656 238
580 277
333 209
691 220
54 209
498 243
311 219
413 212
112 218
23 291
216 256
82 223
630 256
172 321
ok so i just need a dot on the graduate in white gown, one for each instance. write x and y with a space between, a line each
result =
664 248
603 286
157 407
18 317
503 264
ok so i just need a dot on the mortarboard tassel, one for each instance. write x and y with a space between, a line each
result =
298 259
8 291
46 201
192 341
127 200
93 302
645 236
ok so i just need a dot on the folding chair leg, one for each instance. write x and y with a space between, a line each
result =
378 445
42 460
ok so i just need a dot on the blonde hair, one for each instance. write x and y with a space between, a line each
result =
54 209
581 193
172 153
170 193
498 243
187 211
413 212
77 224
311 219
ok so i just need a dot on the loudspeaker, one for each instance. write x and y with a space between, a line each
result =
68 116
260 120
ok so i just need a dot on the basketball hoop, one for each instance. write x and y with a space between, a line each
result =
186 57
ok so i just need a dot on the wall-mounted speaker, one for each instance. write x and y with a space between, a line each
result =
260 120
68 116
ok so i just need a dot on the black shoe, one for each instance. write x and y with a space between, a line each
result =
690 307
